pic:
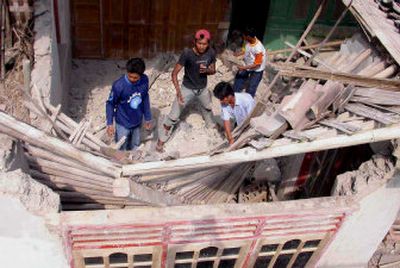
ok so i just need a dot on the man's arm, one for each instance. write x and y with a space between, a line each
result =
147 108
111 103
228 131
239 53
257 63
174 76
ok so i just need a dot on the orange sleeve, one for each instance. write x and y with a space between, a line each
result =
259 58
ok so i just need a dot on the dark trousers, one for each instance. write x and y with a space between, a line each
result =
251 77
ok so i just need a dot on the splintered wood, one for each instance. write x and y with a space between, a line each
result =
340 103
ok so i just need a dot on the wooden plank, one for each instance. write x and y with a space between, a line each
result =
328 44
46 155
83 132
250 154
375 20
67 170
72 125
292 70
378 96
76 132
309 56
20 130
369 112
347 128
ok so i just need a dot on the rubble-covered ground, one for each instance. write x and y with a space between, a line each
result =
90 87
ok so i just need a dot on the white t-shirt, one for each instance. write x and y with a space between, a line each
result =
250 52
244 104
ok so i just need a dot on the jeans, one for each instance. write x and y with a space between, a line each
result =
253 78
132 137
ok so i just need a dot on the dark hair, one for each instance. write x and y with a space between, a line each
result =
249 31
222 90
202 36
135 65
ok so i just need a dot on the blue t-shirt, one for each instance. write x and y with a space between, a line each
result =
129 102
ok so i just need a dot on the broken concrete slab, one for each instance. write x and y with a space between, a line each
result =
371 173
267 170
269 125
36 197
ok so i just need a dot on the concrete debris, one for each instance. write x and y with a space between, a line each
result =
269 125
369 174
267 170
36 197
5 152
253 193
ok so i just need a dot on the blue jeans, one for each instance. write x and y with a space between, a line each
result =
132 137
253 78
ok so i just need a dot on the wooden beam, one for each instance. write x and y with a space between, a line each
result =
332 30
250 154
329 44
309 56
124 187
20 130
345 78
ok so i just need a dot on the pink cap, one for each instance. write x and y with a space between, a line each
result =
206 34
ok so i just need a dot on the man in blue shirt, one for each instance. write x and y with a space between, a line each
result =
128 102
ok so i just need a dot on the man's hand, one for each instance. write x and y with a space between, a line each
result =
227 126
179 96
242 68
231 141
110 130
203 69
238 53
147 125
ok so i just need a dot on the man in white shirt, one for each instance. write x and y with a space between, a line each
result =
255 58
234 106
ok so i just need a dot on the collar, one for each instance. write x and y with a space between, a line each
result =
129 82
236 99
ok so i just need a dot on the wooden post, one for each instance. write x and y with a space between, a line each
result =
328 36
20 130
249 154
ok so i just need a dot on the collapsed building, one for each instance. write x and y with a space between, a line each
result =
310 181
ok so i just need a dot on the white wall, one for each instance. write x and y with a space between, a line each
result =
52 65
25 240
